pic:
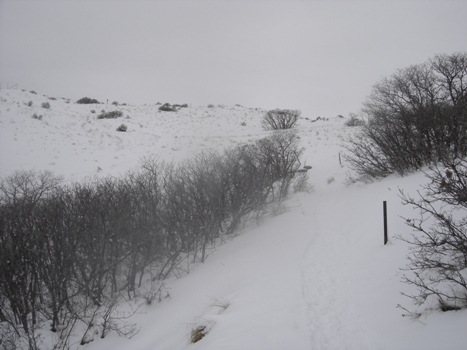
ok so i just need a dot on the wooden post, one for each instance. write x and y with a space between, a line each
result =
385 218
340 163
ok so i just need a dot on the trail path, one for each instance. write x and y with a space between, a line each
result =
326 278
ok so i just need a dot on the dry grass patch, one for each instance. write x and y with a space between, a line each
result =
198 333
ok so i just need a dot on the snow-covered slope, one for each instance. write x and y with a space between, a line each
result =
317 276
70 140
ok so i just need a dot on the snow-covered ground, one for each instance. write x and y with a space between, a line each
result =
316 276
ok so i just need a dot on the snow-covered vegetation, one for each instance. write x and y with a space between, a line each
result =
309 271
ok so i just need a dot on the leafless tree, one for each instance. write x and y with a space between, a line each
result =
279 119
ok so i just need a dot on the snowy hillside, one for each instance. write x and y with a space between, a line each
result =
70 140
316 276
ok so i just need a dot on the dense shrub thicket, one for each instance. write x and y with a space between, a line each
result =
280 119
416 117
69 253
438 264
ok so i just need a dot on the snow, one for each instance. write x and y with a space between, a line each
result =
314 276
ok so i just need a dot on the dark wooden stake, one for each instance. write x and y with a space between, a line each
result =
385 217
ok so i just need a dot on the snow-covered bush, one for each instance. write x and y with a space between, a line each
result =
45 105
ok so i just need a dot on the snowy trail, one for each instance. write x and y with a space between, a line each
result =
325 269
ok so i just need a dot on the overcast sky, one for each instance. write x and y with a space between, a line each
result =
318 56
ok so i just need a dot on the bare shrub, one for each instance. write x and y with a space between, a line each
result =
280 156
259 174
114 321
67 253
220 304
45 105
167 107
279 119
87 100
301 183
204 188
110 115
354 120
246 190
414 118
122 128
438 260
156 292
21 287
